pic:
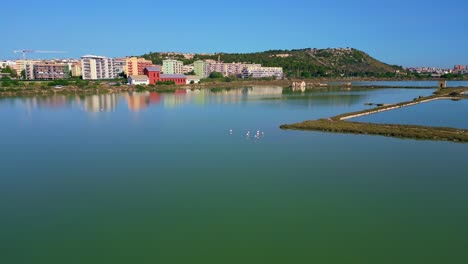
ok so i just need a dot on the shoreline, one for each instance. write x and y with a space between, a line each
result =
97 88
104 88
338 124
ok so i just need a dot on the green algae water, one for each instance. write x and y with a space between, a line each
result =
178 178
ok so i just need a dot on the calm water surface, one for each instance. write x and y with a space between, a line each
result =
443 113
421 84
159 178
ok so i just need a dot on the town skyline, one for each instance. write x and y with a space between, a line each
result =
397 32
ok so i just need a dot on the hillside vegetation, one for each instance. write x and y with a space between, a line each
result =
299 63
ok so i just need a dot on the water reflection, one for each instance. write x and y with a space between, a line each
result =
45 102
137 101
99 103
140 101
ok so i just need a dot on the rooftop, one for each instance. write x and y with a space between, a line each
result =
139 77
163 76
93 57
153 69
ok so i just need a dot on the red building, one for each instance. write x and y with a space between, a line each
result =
154 75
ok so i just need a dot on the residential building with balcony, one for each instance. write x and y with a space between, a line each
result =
230 69
50 71
136 66
97 67
76 69
188 68
256 72
21 65
172 67
120 65
202 69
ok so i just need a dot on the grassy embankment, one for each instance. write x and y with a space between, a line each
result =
338 124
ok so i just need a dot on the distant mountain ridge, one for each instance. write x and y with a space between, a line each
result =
331 62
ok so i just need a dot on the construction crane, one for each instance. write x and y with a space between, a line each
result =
36 51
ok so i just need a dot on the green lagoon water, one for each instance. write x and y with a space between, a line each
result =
159 178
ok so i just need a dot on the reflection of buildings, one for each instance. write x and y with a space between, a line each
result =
52 102
225 96
265 91
154 98
137 101
98 103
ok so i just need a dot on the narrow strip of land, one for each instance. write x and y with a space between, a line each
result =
338 124
392 107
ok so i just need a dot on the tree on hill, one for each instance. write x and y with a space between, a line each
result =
304 63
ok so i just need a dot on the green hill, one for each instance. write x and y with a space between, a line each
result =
299 63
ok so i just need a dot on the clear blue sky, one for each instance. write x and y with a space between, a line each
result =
411 32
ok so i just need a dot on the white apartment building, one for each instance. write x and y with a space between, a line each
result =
172 67
188 68
97 67
230 69
256 72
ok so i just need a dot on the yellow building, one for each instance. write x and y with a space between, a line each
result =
76 69
136 66
21 65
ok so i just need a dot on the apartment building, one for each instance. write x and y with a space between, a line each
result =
97 67
136 66
257 72
230 69
76 69
47 71
202 69
120 65
188 68
172 67
21 65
